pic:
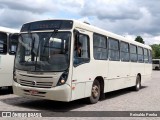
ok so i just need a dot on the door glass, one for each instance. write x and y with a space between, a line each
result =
81 49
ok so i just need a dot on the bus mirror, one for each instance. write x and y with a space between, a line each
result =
76 34
13 42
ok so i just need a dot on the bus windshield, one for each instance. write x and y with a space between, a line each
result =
43 51
155 61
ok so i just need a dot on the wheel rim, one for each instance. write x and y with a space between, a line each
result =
95 91
138 85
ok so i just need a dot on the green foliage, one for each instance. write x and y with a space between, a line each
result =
156 51
139 39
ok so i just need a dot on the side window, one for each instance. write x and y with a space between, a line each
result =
150 56
81 49
99 47
13 42
140 55
124 52
3 43
133 53
114 50
146 57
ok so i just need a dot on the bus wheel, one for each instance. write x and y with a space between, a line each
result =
10 89
95 92
138 83
156 68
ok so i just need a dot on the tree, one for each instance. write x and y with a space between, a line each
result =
139 39
156 51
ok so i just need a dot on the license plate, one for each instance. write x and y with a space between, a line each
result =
33 92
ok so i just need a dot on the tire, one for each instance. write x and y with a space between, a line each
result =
95 93
137 87
10 89
156 68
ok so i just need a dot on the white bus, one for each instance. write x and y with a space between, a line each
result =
156 64
66 60
8 44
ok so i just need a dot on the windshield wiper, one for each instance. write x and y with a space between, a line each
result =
37 55
54 33
32 47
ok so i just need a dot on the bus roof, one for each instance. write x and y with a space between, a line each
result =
88 27
8 30
92 28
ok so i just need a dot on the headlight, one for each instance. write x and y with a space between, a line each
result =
62 80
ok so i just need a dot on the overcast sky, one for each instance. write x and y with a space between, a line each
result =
129 18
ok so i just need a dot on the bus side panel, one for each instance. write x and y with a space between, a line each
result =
148 72
134 70
6 70
80 76
155 66
117 75
84 75
88 88
78 91
125 67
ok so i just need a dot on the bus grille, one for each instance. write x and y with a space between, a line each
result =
36 84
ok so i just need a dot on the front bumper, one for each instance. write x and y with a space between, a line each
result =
59 93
